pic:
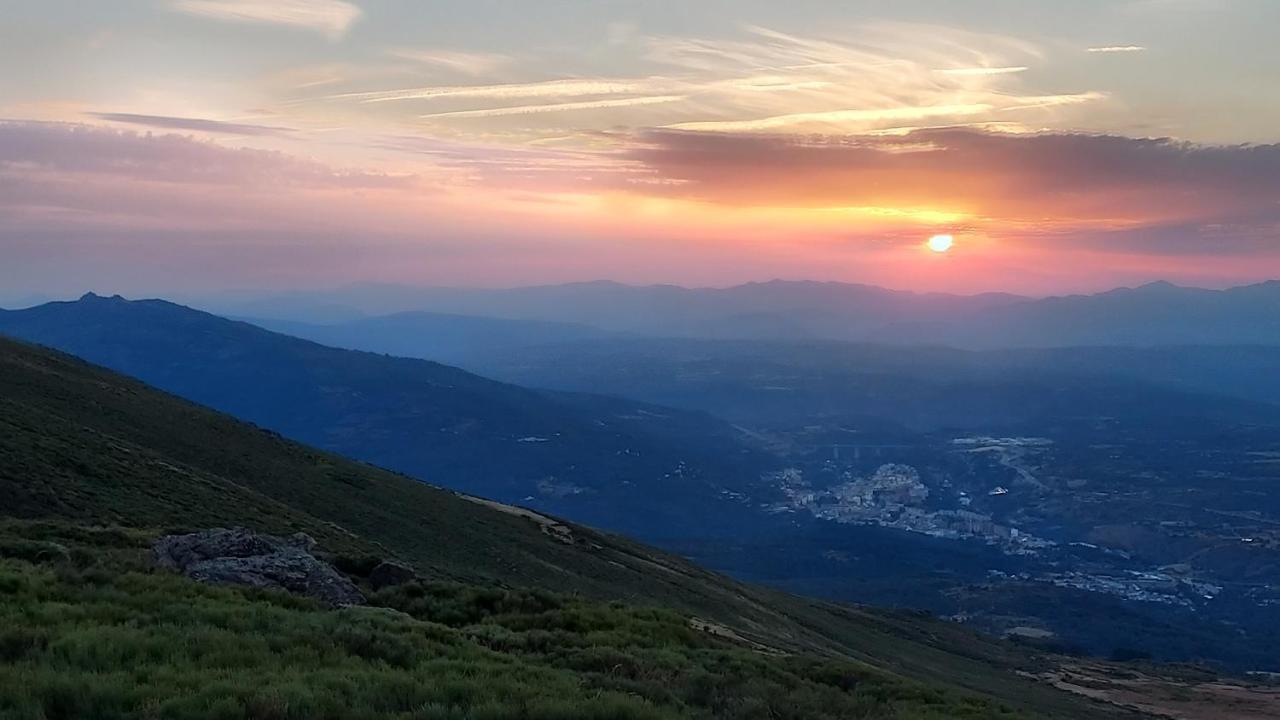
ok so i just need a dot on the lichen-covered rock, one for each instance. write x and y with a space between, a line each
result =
390 573
237 556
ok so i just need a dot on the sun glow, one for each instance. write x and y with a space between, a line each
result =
941 243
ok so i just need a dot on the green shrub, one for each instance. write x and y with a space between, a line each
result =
37 551
18 643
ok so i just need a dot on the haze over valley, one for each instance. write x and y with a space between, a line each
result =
1005 489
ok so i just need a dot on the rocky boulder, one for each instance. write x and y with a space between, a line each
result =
237 556
390 573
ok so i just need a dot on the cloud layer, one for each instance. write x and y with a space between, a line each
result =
329 17
35 150
729 206
166 122
1026 182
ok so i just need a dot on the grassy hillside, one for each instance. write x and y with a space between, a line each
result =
86 448
89 630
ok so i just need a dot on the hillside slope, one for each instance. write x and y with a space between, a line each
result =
608 462
82 444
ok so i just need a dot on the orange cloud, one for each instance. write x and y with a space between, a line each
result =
1025 182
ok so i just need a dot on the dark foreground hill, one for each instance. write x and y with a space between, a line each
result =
608 462
93 465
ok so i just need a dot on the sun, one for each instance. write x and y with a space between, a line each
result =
941 243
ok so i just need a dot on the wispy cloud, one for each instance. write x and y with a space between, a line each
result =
329 17
1031 102
870 80
466 63
1116 49
867 80
197 124
986 70
43 148
506 91
558 107
834 118
872 120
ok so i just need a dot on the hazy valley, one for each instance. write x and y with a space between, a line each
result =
1076 498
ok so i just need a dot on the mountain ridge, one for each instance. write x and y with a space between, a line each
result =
1151 314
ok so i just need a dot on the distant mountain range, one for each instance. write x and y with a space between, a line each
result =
886 386
883 389
436 336
617 463
1154 314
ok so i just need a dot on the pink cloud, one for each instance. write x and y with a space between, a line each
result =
1047 212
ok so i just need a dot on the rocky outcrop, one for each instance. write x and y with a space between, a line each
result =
238 556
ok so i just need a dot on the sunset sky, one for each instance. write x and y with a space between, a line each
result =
151 146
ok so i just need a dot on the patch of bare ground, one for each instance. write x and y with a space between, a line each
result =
549 527
732 635
1177 695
